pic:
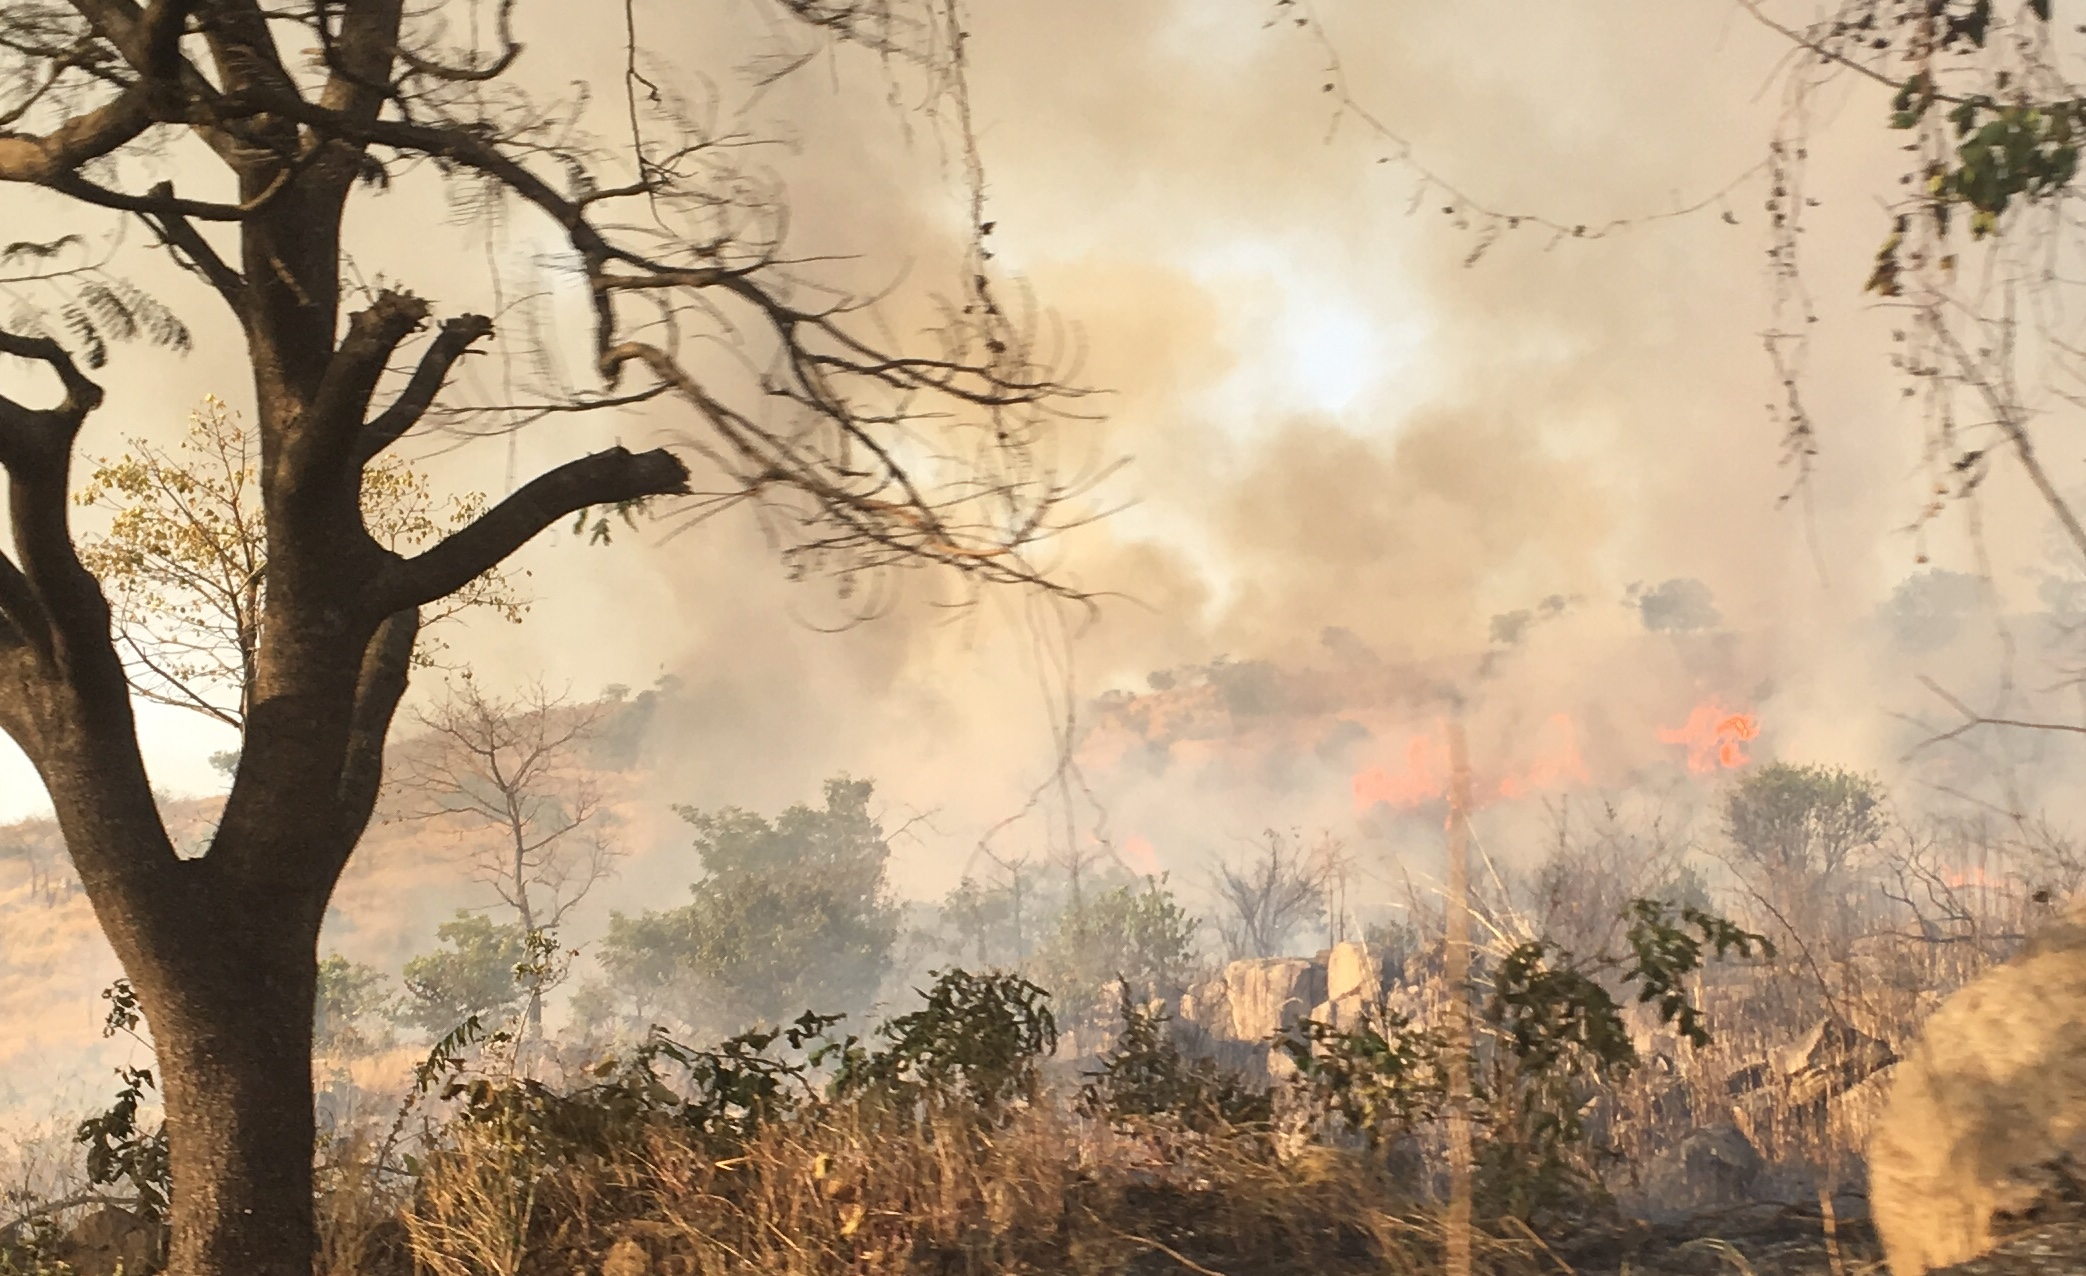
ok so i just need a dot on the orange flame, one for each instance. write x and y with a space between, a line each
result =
1713 736
1424 777
1138 851
1553 770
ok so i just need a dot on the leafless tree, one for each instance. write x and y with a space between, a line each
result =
508 770
1601 859
285 123
1267 899
1334 864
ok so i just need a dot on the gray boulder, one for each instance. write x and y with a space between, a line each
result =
1267 995
1709 1168
111 1239
1987 1109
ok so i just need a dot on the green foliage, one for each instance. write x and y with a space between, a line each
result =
1803 818
472 974
1383 1077
977 1039
2007 148
1554 1035
120 1151
790 913
1137 933
721 1096
123 1153
1145 1074
351 1005
1663 954
1554 1018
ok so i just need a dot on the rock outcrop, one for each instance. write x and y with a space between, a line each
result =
1260 996
1270 994
111 1240
1708 1169
1353 983
1987 1113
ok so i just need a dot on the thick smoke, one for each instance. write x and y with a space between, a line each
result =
1370 486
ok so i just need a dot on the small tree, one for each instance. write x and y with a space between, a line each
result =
1135 933
352 1005
989 923
1268 899
790 915
472 973
1796 833
508 770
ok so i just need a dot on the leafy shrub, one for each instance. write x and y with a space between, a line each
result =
1382 1078
1138 934
724 1094
1146 1074
977 1039
121 1152
471 974
1554 1037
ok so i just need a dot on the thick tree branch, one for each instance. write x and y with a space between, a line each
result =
386 665
45 159
22 621
360 57
36 451
162 201
151 44
244 48
604 478
175 230
389 426
319 452
148 39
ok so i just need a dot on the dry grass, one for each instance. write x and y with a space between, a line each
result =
850 1189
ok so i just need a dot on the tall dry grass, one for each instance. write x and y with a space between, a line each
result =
855 1189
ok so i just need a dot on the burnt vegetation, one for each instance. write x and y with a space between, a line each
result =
1656 1046
1688 1074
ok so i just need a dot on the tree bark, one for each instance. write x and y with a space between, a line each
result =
231 1021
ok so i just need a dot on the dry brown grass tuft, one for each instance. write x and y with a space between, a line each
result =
851 1189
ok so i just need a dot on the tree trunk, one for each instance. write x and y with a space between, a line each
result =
233 1034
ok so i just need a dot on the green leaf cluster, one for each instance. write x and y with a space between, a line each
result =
1146 1074
1384 1077
471 974
1137 933
788 913
975 1040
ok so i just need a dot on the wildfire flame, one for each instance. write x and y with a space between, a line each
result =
1713 736
1424 777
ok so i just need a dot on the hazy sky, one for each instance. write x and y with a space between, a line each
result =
1332 421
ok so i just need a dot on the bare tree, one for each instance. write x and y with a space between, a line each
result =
1579 893
1334 864
285 123
1270 897
508 770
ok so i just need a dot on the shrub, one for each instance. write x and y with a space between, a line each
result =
1146 1074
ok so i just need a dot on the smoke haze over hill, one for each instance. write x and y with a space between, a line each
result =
1369 487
